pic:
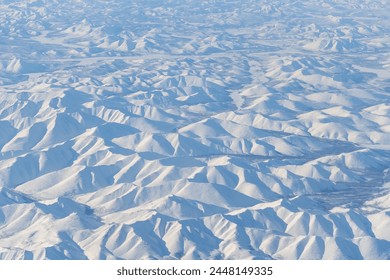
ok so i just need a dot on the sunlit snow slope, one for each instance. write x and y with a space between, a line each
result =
188 129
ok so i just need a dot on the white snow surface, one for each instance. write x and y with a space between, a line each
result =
187 129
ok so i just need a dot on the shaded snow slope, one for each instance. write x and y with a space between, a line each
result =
194 130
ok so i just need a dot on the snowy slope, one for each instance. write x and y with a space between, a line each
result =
194 129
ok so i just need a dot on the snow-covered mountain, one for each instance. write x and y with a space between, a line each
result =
187 129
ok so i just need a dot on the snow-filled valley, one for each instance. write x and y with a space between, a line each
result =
184 129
